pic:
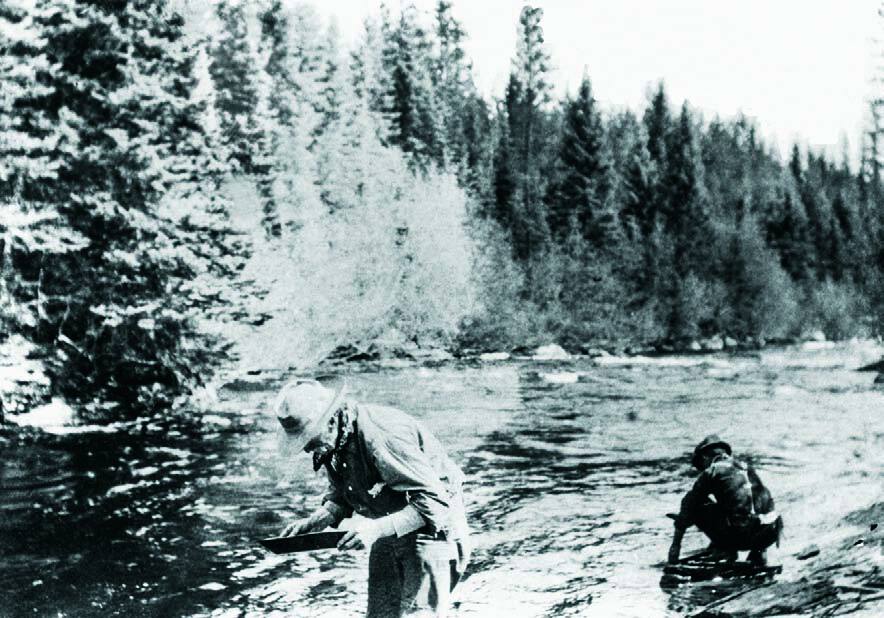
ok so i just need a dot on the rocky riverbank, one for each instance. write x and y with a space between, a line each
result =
403 354
24 386
844 578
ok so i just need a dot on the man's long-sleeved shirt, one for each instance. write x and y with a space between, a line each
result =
392 461
735 487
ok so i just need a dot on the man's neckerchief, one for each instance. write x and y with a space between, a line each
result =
331 457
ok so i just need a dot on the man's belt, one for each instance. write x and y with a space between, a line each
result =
767 518
436 535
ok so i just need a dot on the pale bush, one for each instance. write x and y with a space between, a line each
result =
837 309
392 262
764 302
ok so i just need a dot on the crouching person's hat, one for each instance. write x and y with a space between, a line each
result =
303 407
709 442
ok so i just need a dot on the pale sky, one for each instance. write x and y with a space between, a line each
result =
800 67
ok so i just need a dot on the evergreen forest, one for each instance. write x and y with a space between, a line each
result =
180 193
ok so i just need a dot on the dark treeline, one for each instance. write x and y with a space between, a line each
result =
394 201
645 228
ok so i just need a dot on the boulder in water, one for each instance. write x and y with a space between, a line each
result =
253 382
877 366
561 377
552 351
592 352
432 355
817 335
49 417
494 356
712 344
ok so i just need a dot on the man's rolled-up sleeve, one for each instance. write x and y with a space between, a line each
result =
336 503
406 468
692 500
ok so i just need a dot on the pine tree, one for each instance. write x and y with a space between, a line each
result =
116 310
331 81
289 112
458 103
658 124
585 169
233 72
370 70
477 148
795 165
504 183
786 231
417 123
527 91
29 137
819 212
635 188
686 216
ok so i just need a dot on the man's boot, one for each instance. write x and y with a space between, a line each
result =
758 557
714 552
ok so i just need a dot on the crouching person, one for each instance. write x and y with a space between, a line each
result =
728 503
384 465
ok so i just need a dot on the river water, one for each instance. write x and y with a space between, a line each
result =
571 467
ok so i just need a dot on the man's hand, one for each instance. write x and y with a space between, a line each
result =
320 519
674 552
361 537
301 526
677 536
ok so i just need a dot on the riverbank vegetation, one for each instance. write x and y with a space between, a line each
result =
170 187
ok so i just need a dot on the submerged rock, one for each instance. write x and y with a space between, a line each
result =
876 366
552 351
712 344
593 352
50 417
253 382
817 335
23 381
432 355
352 354
561 377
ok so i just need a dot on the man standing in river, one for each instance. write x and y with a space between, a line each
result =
729 503
384 465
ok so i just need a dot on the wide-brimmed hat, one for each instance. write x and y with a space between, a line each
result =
302 407
709 442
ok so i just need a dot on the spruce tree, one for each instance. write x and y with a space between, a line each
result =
289 113
504 184
527 92
30 137
787 233
370 70
116 310
458 102
417 123
686 216
658 124
233 72
331 80
585 172
632 179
